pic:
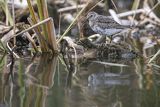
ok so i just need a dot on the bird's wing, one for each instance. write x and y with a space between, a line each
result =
109 22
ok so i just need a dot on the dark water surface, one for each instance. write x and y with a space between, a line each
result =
45 82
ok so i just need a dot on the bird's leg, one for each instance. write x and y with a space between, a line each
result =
109 38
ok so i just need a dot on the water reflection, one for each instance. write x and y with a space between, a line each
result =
45 82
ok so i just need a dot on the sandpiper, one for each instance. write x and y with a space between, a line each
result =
104 25
109 51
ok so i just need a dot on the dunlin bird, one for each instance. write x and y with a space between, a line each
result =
104 25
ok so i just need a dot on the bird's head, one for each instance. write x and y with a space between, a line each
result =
91 15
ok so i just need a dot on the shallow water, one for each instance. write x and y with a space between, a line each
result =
45 82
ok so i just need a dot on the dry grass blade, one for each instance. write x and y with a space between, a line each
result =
153 7
154 57
2 45
4 6
110 64
94 6
155 65
42 15
70 8
26 30
32 41
35 20
135 7
14 26
132 12
52 35
149 10
114 5
70 26
10 50
135 4
48 29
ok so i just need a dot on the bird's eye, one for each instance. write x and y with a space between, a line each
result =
91 15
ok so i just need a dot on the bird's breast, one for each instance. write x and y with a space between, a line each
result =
106 31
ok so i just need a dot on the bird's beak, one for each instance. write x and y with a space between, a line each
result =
87 18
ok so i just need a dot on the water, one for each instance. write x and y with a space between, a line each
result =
45 82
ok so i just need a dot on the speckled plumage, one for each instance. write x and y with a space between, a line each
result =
109 51
104 25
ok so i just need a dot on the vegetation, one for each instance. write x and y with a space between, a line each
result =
42 38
